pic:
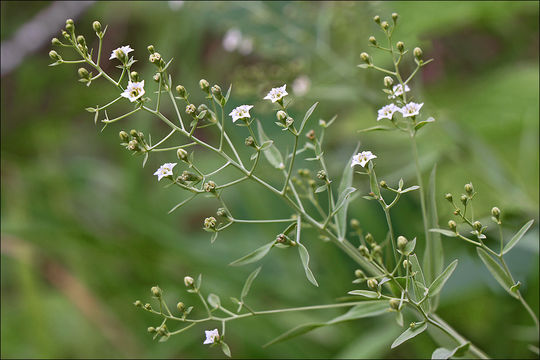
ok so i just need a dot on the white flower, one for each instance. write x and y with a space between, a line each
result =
386 112
276 94
232 39
211 336
240 112
134 90
411 109
164 170
123 49
300 85
397 90
362 158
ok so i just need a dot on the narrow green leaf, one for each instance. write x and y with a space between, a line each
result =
182 203
249 281
373 184
414 187
420 284
297 331
376 128
444 232
346 182
409 248
344 198
271 153
321 189
409 334
214 300
306 117
304 256
497 271
214 237
439 282
423 123
254 256
364 309
364 293
225 348
266 144
443 353
517 237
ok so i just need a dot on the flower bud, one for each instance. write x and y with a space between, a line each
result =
191 109
372 40
477 225
355 224
418 53
123 136
395 17
407 264
363 250
496 212
281 116
216 90
469 189
384 25
138 303
457 212
189 176
359 274
133 145
289 121
134 76
83 49
181 91
377 19
369 239
372 283
221 212
151 49
448 197
70 25
311 135
383 184
83 73
188 281
210 186
463 199
156 291
400 46
182 154
147 306
210 222
249 141
180 306
394 303
96 25
281 238
54 55
204 85
321 174
365 58
402 242
56 42
452 225
151 329
388 81
81 40
377 251
155 58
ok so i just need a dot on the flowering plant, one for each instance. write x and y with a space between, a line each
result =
392 277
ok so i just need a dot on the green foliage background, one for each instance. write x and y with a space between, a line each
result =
85 229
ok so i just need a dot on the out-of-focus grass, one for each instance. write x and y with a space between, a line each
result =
85 229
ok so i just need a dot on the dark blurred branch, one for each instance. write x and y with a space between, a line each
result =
38 31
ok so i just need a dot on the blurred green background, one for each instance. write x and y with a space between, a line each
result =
85 229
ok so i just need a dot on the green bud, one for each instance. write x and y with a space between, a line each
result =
216 90
133 133
151 329
377 19
477 225
469 188
81 40
133 145
70 25
311 134
147 306
463 199
457 212
189 176
402 242
56 42
321 174
204 85
363 250
83 73
156 291
221 212
384 25
394 303
383 184
151 49
365 58
395 17
496 212
359 274
249 141
369 239
372 283
407 264
281 116
377 250
448 197
134 76
210 187
210 222
400 46
181 91
138 303
191 109
54 55
418 53
123 136
155 58
388 81
182 154
372 40
180 306
96 25
355 224
452 225
188 281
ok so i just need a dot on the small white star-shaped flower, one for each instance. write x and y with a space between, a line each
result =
362 158
411 109
276 94
397 90
211 336
122 49
241 112
134 90
164 170
386 112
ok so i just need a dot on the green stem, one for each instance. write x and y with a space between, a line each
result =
420 183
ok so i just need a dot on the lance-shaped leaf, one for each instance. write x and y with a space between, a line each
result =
364 293
306 117
376 128
414 187
439 282
343 198
271 153
304 255
409 248
423 123
214 300
294 332
443 353
433 254
517 237
420 282
249 281
497 271
444 232
409 334
346 182
374 185
254 256
225 348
